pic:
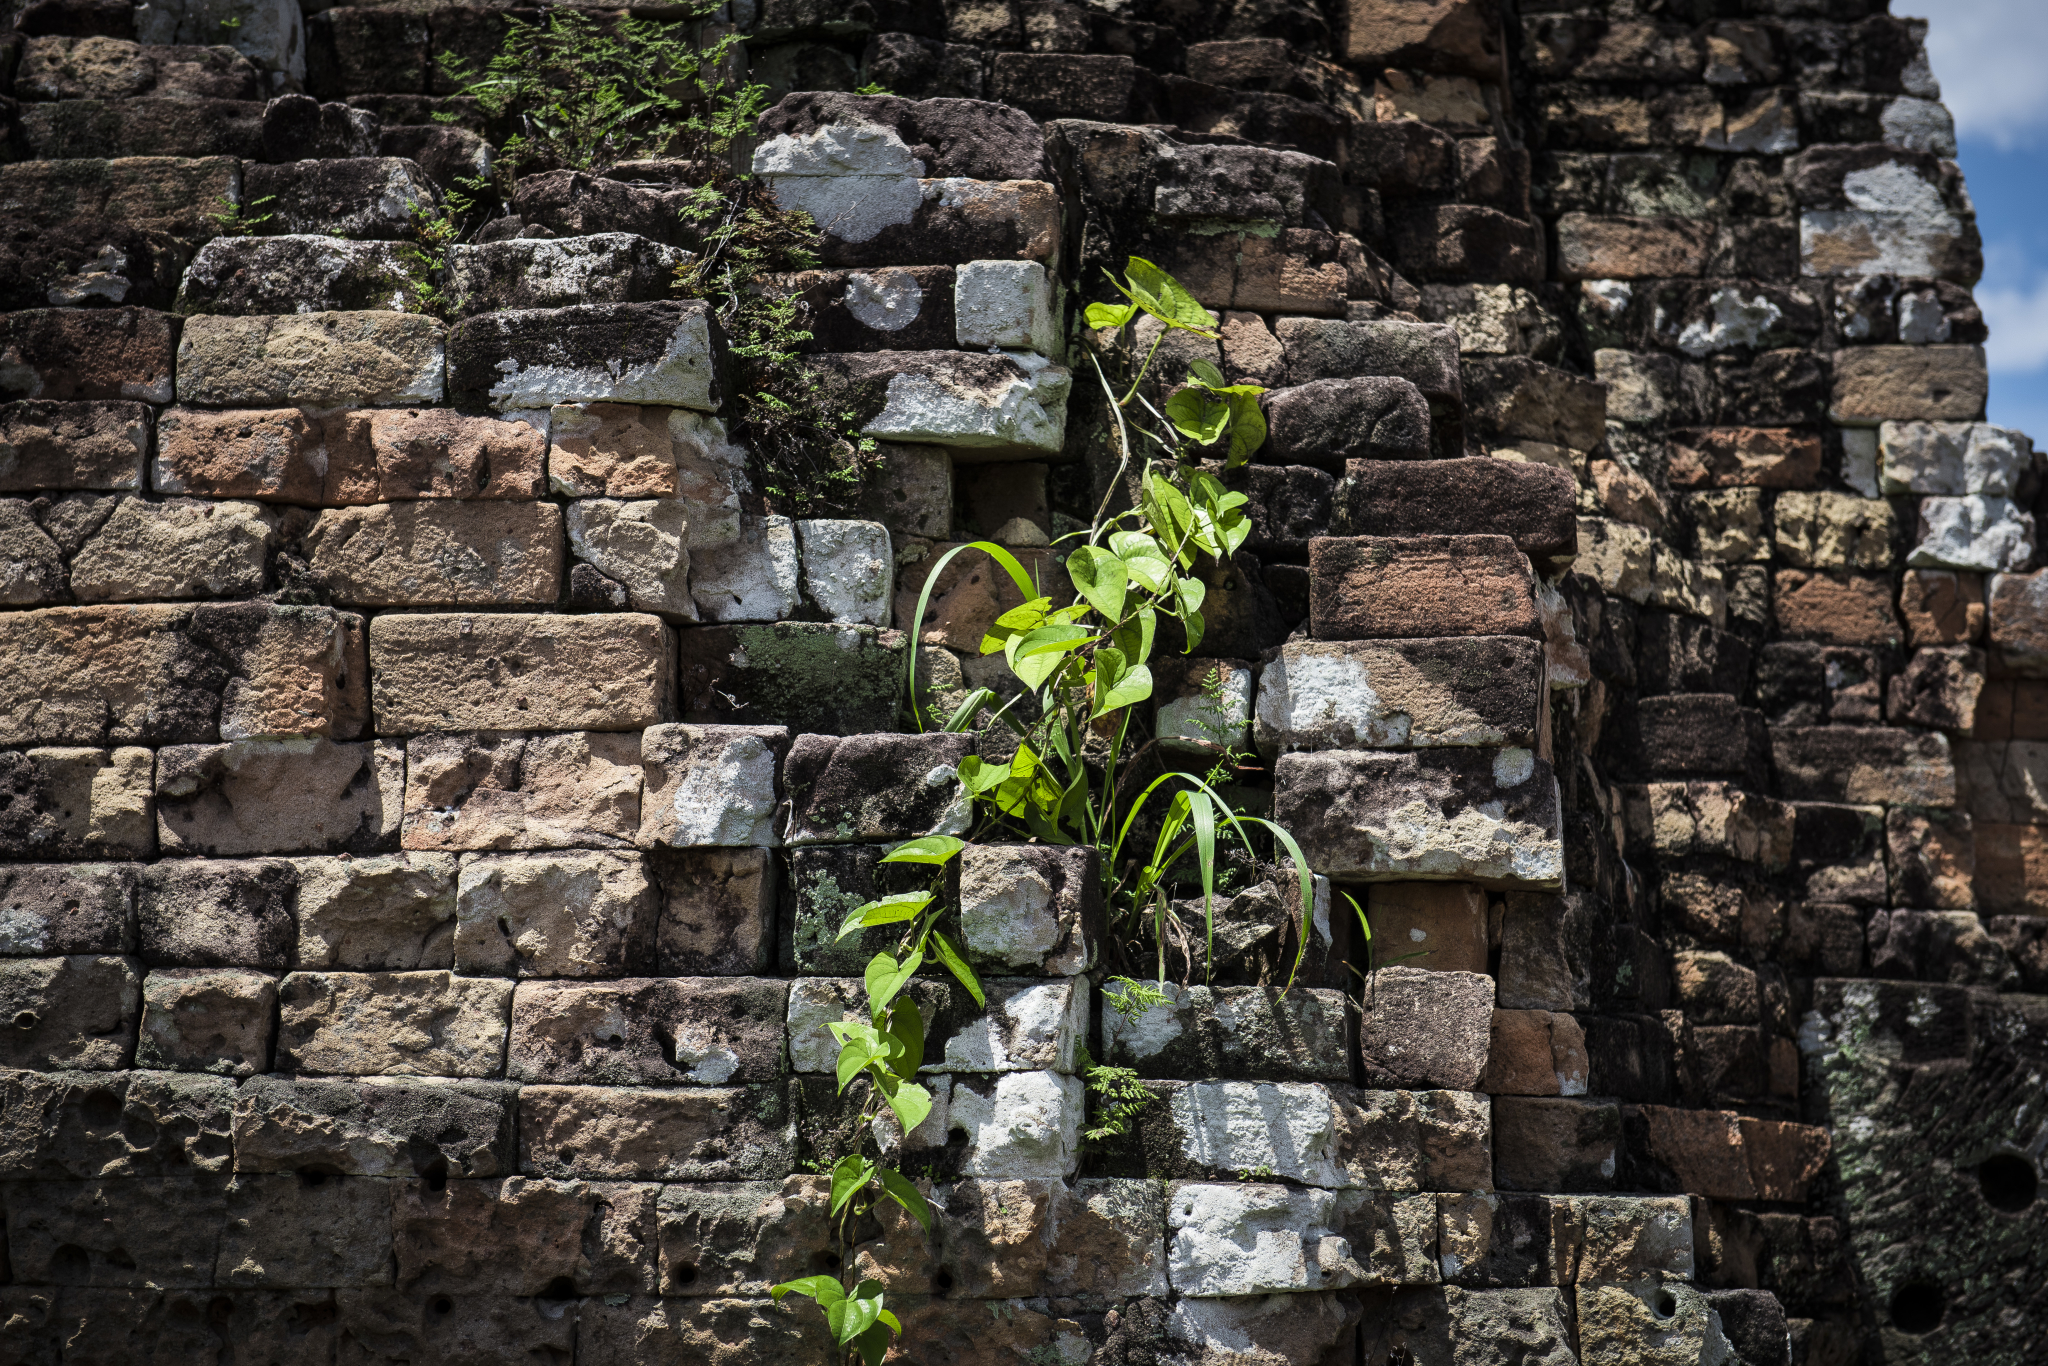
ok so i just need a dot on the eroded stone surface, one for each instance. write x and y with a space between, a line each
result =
491 790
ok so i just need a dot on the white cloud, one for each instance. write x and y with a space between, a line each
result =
1987 55
2018 319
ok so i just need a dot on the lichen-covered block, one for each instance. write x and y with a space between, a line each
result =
1030 908
207 1020
431 1024
71 1124
92 445
1236 1032
710 786
1006 304
1329 1136
643 547
526 272
321 360
1536 505
180 548
202 913
826 884
1302 1326
61 909
669 353
1027 1025
581 789
754 576
874 787
993 404
89 353
834 679
1255 1239
1423 1029
1872 764
586 913
849 569
374 1126
387 913
741 1238
1545 1143
515 1236
1330 421
310 272
438 552
718 910
1024 1125
1487 816
699 1133
67 803
310 796
698 1031
1411 587
444 672
389 456
1469 690
75 1012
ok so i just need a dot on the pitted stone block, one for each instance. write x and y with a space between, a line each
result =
438 552
217 913
602 268
492 790
717 911
742 1238
62 1125
75 1012
710 786
393 912
1471 690
1255 1239
305 272
392 1023
697 1133
515 1236
322 360
280 797
697 1031
207 1020
1329 421
60 909
445 672
88 445
64 803
583 913
375 1126
386 456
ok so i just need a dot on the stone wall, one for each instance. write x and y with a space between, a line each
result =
432 774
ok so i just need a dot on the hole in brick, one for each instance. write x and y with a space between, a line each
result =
1666 1304
942 1283
1917 1308
441 1304
120 1257
560 1288
102 1109
27 1019
436 1177
825 1260
316 1176
2009 1182
685 1275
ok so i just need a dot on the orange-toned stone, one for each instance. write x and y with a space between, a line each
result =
1837 609
1744 457
1435 925
1942 606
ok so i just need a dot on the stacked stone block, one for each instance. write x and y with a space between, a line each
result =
432 776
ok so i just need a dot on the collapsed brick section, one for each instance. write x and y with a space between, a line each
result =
432 778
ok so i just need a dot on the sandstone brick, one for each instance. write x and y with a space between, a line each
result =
286 1231
1951 458
526 272
1555 1143
1534 1053
86 1229
64 909
1536 505
970 594
1002 405
873 787
392 1024
741 1238
1487 816
66 803
1834 531
1615 1319
1440 926
164 194
510 672
392 912
700 1031
710 786
388 456
1253 1239
2018 621
75 1012
678 1331
217 913
1734 1157
1744 457
1942 607
499 791
279 797
487 1325
374 1126
665 353
1425 1029
322 360
1864 764
1374 587
1908 383
87 445
1029 910
1938 688
272 454
581 914
1839 609
207 1020
1720 819
1942 946
243 276
2012 869
517 1236
1591 247
756 577
1331 421
439 553
67 353
179 548
1424 354
641 550
718 909
698 1133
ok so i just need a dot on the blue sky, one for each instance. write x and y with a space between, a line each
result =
1988 56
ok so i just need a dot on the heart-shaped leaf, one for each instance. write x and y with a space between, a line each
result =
849 1318
1197 414
1205 373
1247 428
1109 315
978 775
907 1195
910 1102
1099 577
1134 686
925 849
906 1033
957 965
887 911
886 977
1165 298
849 1174
826 1290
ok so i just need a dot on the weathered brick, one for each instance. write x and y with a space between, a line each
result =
1908 383
393 1024
701 1031
165 194
75 1012
217 913
302 796
1864 764
207 1020
665 353
388 456
1379 587
97 353
374 1127
439 553
585 913
511 791
90 445
698 1133
512 672
1469 690
77 803
320 360
1535 505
